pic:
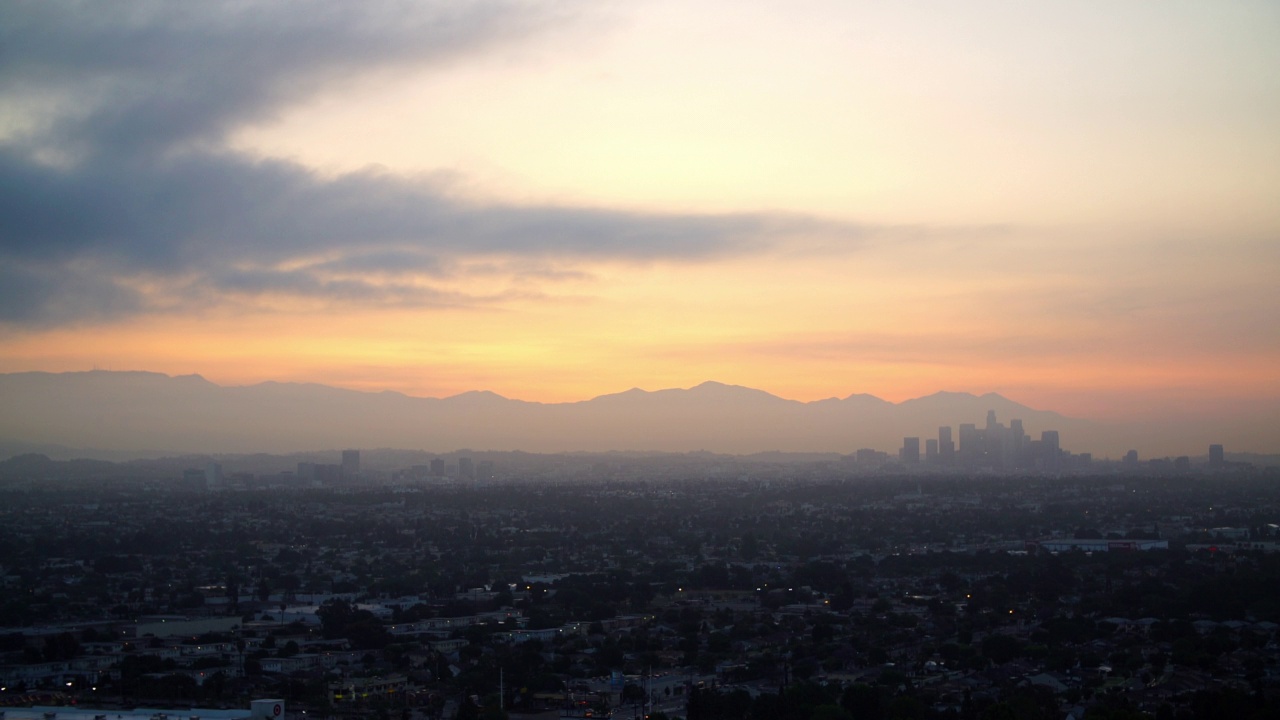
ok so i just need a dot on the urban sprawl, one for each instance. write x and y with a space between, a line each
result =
1000 577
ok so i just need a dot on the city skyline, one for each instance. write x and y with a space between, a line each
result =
189 414
1072 206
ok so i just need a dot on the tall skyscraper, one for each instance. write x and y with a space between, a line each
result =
1048 452
350 463
306 474
869 457
911 450
1216 458
946 447
213 476
1050 443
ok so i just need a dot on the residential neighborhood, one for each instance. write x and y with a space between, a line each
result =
893 596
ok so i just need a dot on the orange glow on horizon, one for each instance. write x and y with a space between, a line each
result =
1057 202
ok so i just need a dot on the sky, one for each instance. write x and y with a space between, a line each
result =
1076 205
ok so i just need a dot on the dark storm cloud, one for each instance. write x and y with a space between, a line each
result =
58 295
146 75
171 213
116 171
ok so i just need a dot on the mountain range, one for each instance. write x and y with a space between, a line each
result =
139 414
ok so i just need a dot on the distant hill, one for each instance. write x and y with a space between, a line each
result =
40 466
117 414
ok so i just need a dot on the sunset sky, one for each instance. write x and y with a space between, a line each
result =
1076 205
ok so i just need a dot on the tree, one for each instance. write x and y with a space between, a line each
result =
632 694
233 592
1001 649
863 701
906 707
467 710
368 634
830 712
62 646
335 615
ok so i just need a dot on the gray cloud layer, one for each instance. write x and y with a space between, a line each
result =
148 75
116 171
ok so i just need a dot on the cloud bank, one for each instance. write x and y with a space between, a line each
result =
118 195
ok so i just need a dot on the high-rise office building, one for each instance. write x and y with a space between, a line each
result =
328 474
968 437
213 476
870 457
1050 443
350 463
910 450
946 447
306 474
1216 457
1047 452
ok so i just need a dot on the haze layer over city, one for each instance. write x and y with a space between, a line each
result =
1072 206
515 359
